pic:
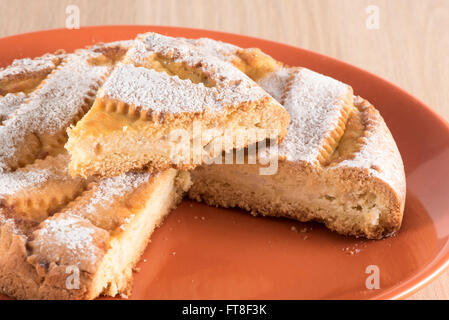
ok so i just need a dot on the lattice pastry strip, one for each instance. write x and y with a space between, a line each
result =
37 127
24 75
319 107
34 192
108 204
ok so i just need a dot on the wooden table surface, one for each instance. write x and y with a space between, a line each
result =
408 46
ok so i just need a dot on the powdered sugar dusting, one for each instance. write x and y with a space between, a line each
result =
215 48
159 92
314 104
183 52
27 65
68 236
53 106
9 103
231 85
13 182
34 176
67 239
274 83
9 223
108 189
61 97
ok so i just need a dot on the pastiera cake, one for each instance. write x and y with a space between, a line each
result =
66 232
338 163
170 104
64 237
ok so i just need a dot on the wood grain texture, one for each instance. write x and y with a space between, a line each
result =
410 48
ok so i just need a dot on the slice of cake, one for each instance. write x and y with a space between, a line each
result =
338 163
170 104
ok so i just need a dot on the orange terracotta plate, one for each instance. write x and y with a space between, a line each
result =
210 253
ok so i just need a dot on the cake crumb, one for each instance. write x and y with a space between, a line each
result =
293 228
173 253
351 251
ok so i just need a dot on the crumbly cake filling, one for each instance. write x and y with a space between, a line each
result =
9 104
328 197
